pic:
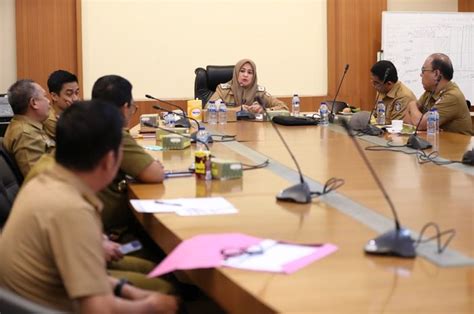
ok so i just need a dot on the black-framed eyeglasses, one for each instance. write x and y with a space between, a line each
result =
133 108
234 252
423 70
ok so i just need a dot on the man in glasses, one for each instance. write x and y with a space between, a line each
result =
119 222
25 138
392 92
442 94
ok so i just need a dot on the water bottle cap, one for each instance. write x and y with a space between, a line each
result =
295 94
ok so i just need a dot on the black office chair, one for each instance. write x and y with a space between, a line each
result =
206 80
10 181
13 303
468 104
338 106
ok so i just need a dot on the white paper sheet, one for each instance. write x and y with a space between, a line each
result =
186 206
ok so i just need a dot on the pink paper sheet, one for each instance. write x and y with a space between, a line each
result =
204 251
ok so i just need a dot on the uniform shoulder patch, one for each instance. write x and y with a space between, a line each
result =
224 85
260 88
398 106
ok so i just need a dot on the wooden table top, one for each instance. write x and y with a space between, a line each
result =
348 280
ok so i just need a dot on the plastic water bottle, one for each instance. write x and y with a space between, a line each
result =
202 139
431 124
323 114
212 113
222 113
295 105
437 119
169 120
380 113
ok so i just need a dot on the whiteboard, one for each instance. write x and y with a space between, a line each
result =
408 38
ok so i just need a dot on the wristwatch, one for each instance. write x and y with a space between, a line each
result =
119 286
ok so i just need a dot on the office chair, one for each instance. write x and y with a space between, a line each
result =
10 181
206 80
13 303
338 106
468 104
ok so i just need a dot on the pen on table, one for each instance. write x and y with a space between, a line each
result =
167 203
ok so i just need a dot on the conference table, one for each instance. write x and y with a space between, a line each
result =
347 281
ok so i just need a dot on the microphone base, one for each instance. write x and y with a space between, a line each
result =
372 130
417 143
299 193
331 117
245 115
183 123
397 242
193 138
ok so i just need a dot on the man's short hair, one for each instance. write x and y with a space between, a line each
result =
379 68
442 63
114 89
19 95
58 78
86 132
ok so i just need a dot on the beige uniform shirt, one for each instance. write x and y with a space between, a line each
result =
396 102
116 215
49 124
454 115
225 93
26 142
51 247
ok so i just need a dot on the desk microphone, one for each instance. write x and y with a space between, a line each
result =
183 121
371 129
193 135
332 114
299 193
396 242
414 141
244 114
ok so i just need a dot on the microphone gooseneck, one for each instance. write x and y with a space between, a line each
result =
299 193
394 242
331 114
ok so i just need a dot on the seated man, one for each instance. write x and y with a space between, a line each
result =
63 88
51 248
443 94
116 216
393 92
25 138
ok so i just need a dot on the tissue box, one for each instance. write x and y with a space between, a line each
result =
175 142
163 131
225 169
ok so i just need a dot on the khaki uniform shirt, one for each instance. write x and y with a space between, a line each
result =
51 247
26 142
49 124
396 102
454 115
225 93
116 215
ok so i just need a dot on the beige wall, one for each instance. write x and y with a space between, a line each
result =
158 44
423 5
8 45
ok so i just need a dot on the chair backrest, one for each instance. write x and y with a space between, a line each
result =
206 80
468 104
338 105
13 303
10 181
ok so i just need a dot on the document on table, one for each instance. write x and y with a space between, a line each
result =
271 256
186 206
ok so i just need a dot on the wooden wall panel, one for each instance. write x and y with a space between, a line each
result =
354 37
48 36
465 5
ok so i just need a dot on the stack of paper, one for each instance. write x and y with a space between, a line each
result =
186 206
